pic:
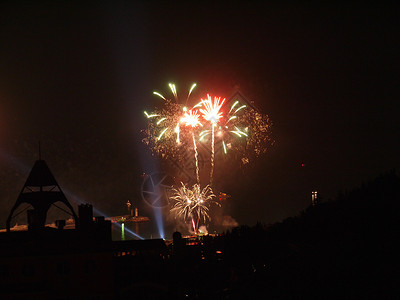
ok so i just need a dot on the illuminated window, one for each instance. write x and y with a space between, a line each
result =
314 197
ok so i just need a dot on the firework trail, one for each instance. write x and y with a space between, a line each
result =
196 158
212 154
194 226
212 113
191 118
190 92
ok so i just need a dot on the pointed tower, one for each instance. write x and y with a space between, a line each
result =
41 191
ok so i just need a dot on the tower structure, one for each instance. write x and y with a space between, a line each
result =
41 191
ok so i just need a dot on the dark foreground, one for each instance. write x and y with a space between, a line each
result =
346 248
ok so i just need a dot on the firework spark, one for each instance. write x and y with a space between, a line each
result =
212 113
164 135
249 133
212 109
244 130
191 118
192 203
231 125
239 127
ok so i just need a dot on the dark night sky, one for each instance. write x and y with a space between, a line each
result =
78 78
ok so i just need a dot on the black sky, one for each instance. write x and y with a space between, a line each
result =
78 78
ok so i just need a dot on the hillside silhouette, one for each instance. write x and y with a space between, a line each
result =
342 248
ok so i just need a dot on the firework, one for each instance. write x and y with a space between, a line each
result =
231 127
258 133
192 203
244 130
236 128
191 118
212 113
247 131
212 109
164 133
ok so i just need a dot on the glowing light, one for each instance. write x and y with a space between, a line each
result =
243 106
190 91
241 129
234 104
192 88
231 118
203 134
239 132
194 226
211 111
159 121
159 221
159 95
162 133
196 159
173 89
198 105
166 140
192 203
177 130
191 118
150 116
256 133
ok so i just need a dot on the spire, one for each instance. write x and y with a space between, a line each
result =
40 176
40 155
41 191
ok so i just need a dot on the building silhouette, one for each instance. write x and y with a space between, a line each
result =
83 262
